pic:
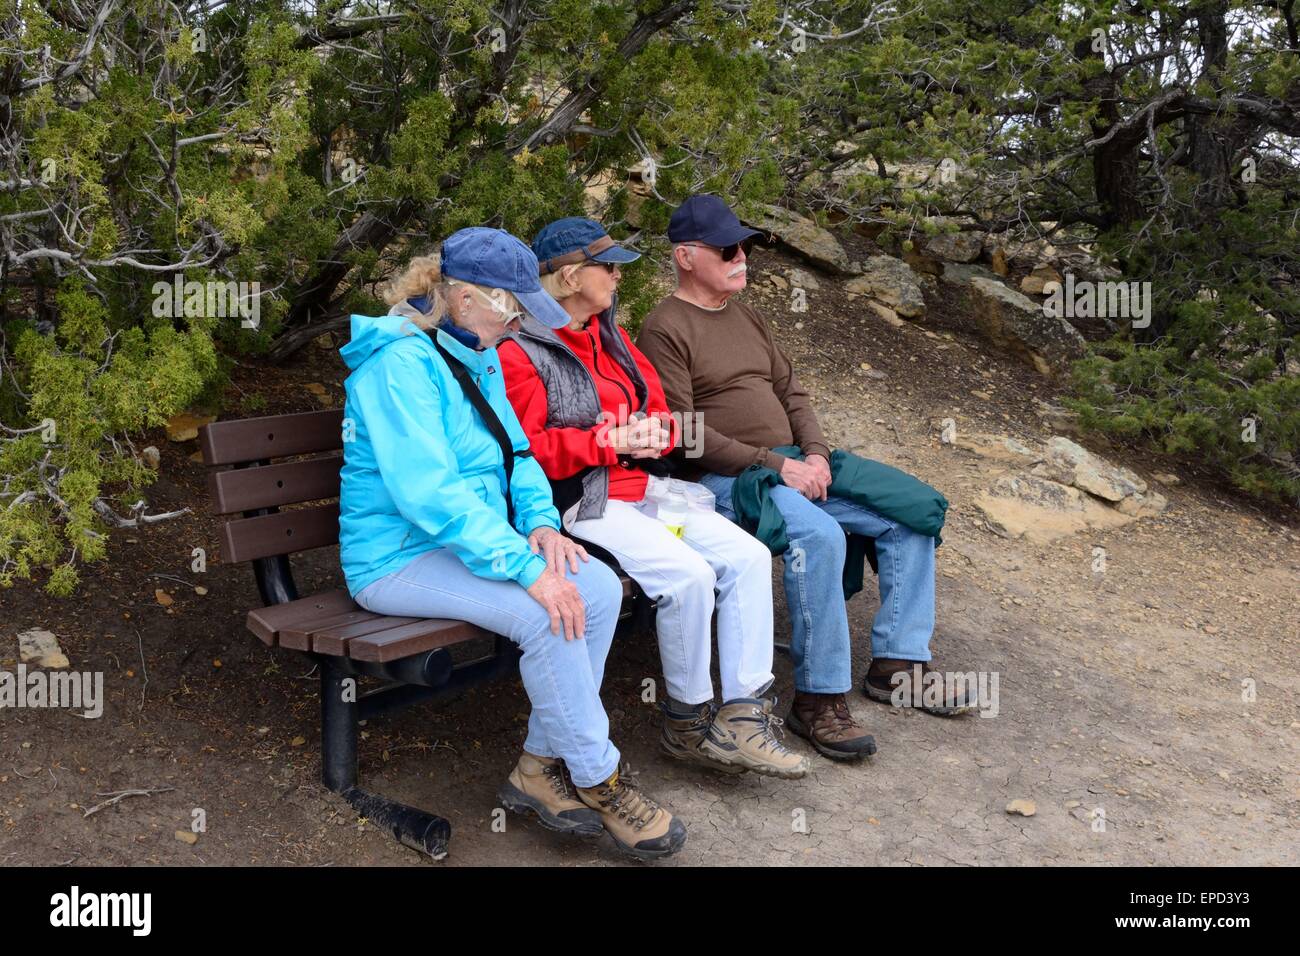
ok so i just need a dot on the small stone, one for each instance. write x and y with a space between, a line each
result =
1240 809
163 598
200 590
185 426
1026 808
187 836
42 649
1072 804
1211 629
297 741
151 457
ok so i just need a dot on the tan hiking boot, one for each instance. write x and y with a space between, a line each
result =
824 720
542 786
684 732
636 823
744 734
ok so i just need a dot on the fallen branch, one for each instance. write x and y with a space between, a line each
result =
120 795
137 519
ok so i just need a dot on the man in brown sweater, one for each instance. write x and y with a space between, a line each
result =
716 358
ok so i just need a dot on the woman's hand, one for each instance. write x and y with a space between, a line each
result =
645 438
562 601
556 549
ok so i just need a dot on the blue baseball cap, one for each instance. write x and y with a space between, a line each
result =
706 218
576 239
497 260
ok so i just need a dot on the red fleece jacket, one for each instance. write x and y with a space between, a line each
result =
566 451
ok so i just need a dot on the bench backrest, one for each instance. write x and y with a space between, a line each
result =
246 479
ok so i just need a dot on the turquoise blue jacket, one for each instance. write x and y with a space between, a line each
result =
420 469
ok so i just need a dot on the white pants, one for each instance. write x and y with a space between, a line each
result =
679 575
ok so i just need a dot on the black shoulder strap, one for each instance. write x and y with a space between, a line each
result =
490 419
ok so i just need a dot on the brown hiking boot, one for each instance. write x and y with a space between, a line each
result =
636 823
684 732
542 786
744 734
825 722
921 686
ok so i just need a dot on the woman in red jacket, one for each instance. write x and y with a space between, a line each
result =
597 422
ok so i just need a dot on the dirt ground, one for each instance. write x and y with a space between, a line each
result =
1120 691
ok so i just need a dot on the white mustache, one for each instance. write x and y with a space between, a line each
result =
739 270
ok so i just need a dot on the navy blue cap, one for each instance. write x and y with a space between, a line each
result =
576 239
497 260
706 218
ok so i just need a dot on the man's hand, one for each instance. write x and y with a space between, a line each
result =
556 548
823 465
562 601
805 478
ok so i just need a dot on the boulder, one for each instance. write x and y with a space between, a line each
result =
803 279
956 246
1043 273
890 281
1011 321
1072 464
803 237
1040 510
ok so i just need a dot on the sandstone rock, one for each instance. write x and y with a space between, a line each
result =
1043 273
1167 479
998 261
1143 505
151 457
891 282
41 648
1025 808
1040 510
886 313
803 237
803 279
956 246
997 447
778 282
1074 465
185 425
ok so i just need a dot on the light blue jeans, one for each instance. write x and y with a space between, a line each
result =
562 677
814 593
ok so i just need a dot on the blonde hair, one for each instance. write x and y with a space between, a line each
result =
423 277
554 284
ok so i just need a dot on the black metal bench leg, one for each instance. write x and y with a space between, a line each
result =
411 827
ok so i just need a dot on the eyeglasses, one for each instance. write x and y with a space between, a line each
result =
727 252
607 266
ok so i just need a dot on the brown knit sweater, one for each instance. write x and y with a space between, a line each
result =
725 365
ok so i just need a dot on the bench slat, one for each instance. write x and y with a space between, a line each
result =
247 489
244 539
297 636
266 622
334 640
271 436
412 639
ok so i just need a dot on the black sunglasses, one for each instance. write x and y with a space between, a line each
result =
607 266
727 252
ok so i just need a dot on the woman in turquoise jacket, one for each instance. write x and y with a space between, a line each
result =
430 525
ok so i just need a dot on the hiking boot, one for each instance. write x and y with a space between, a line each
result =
636 822
825 722
684 732
928 693
542 786
744 734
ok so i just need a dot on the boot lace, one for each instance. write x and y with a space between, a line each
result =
768 730
834 715
625 799
558 776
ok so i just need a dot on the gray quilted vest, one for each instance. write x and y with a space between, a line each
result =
571 397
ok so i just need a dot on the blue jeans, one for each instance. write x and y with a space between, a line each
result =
562 677
814 593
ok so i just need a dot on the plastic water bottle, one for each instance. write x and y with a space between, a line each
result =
672 509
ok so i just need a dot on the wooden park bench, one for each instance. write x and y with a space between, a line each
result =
258 466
